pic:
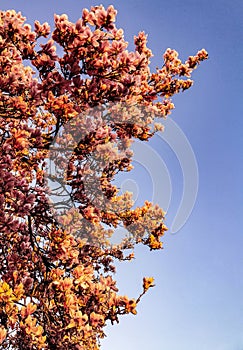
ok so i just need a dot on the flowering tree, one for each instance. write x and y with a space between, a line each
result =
79 109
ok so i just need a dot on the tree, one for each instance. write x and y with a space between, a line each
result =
78 109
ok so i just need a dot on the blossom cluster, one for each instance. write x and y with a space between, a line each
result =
87 105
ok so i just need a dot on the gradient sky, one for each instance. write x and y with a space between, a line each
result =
198 299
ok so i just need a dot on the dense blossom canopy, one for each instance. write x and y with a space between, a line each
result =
56 263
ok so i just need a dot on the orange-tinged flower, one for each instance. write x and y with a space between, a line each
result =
42 29
3 333
29 325
21 139
66 284
148 282
154 243
96 319
28 310
19 291
38 331
71 324
131 306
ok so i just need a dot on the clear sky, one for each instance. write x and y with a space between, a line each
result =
198 299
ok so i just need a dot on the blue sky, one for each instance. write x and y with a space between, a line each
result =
198 299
